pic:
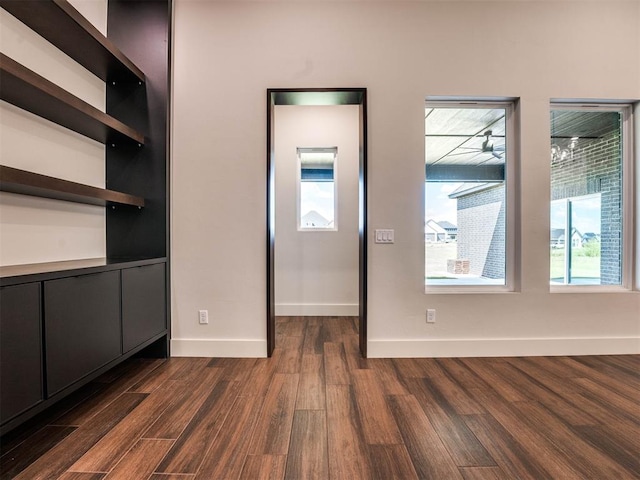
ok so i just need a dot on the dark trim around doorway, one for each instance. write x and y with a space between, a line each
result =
317 96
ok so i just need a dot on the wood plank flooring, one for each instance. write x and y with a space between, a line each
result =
316 410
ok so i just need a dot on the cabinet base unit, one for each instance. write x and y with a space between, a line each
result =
143 304
62 329
20 349
82 326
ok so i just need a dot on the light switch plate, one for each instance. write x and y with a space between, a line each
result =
384 235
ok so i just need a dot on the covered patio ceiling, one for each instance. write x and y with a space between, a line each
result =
465 144
468 144
465 136
587 125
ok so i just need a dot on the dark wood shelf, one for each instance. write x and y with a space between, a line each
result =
27 183
29 91
62 25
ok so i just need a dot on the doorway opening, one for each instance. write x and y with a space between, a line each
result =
310 172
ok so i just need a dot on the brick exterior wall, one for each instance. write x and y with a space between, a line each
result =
596 167
482 231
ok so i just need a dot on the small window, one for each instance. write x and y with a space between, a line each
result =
469 162
589 236
317 188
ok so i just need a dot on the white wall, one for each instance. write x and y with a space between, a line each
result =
32 229
316 272
228 53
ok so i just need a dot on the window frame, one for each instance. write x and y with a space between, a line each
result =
299 151
628 198
512 169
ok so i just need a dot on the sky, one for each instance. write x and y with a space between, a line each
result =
438 205
585 213
586 210
318 196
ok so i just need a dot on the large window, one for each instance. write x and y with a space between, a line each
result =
588 153
317 188
468 163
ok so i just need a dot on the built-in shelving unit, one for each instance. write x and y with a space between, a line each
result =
15 180
29 91
61 24
64 323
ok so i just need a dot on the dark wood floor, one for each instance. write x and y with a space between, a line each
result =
317 410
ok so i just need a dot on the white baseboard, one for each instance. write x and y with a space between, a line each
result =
317 309
503 347
429 348
187 347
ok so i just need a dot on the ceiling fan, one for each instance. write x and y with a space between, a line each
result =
488 146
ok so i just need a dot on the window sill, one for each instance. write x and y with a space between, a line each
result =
589 289
317 229
467 289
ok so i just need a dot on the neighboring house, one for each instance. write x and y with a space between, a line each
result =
433 232
557 238
313 219
450 228
590 237
577 239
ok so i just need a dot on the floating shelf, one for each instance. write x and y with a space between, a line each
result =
62 25
27 183
29 91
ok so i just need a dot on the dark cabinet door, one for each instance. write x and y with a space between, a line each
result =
20 349
143 304
82 326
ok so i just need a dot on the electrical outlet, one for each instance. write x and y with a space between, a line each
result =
431 315
203 316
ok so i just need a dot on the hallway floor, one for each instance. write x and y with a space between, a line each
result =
318 410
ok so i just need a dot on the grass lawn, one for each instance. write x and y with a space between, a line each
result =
582 266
